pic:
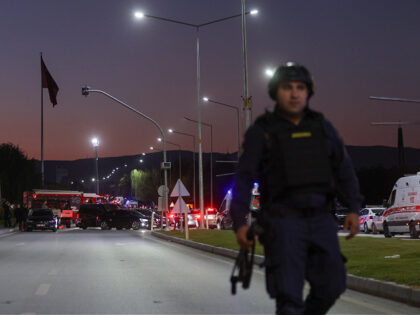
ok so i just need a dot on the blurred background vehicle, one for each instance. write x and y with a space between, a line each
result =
366 216
41 219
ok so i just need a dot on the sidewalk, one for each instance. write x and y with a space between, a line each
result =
389 290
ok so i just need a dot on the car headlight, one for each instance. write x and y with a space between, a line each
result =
144 220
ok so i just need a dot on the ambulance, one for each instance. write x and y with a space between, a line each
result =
402 214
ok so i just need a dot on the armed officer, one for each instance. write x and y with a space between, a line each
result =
301 163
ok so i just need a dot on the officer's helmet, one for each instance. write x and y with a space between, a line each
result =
290 72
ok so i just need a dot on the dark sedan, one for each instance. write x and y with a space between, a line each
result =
41 219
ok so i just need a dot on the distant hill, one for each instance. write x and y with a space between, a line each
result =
59 171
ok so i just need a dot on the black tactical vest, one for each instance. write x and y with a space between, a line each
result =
296 160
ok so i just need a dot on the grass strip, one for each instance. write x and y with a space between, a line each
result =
366 256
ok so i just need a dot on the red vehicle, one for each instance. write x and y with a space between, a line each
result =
93 198
65 204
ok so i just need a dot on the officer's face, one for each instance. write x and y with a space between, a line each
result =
292 97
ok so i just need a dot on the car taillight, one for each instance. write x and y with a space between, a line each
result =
171 216
198 216
370 218
97 218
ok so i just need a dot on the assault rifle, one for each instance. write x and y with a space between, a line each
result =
245 260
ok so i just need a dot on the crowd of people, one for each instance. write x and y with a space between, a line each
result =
16 211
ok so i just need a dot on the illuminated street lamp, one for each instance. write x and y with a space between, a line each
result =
269 72
206 99
193 157
140 15
95 143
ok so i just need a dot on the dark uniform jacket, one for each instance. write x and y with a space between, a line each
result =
255 150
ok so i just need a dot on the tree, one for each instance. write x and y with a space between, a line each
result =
124 185
17 173
145 184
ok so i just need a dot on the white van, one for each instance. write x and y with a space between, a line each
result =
403 208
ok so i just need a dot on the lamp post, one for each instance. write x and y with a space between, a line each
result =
193 157
211 163
206 99
197 27
95 143
165 165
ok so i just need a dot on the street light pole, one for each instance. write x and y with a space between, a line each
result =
140 15
179 154
211 164
193 157
247 99
86 90
206 99
95 143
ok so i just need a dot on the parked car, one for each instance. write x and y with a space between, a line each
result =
128 219
108 216
148 214
366 216
194 219
211 218
224 220
378 223
340 215
41 219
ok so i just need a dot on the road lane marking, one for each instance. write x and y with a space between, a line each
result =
53 272
7 234
20 244
43 289
120 244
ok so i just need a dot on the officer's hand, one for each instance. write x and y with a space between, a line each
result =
351 223
241 238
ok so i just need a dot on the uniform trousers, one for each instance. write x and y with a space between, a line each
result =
304 247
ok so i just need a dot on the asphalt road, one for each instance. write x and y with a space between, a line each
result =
121 272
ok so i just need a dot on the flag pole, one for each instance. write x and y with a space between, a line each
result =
42 132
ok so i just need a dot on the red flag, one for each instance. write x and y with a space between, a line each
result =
49 83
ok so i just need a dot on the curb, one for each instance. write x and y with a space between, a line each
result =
383 289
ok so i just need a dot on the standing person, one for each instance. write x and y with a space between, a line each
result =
19 216
300 161
6 214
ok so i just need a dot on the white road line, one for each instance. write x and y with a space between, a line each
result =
20 244
53 272
7 234
43 289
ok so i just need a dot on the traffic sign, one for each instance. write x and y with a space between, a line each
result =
179 190
180 206
161 190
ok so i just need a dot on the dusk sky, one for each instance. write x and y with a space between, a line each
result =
353 48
